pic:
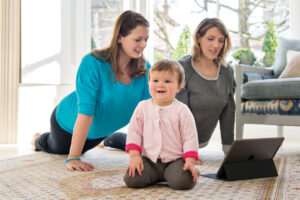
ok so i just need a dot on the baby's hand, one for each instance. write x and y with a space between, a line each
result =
135 163
190 165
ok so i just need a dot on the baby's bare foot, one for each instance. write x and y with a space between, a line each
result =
35 136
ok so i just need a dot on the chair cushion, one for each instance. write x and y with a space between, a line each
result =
292 69
284 45
272 107
286 88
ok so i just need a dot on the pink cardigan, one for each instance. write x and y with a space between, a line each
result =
167 132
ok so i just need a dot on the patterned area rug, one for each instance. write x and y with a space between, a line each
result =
44 176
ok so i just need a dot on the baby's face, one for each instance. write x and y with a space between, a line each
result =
163 86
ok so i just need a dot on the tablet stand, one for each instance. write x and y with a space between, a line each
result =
245 170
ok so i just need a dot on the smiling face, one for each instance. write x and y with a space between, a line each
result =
133 44
211 43
163 86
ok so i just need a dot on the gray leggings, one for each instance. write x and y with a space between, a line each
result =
171 172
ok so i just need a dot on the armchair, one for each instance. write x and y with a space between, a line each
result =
264 98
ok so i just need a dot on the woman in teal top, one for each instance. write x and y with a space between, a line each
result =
110 83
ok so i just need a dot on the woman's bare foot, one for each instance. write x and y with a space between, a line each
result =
101 145
35 136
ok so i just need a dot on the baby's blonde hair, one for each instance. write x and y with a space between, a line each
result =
171 66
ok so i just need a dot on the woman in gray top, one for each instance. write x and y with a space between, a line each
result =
209 88
210 84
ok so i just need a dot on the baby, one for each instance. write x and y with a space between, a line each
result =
162 139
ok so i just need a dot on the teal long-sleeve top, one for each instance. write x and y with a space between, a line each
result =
111 103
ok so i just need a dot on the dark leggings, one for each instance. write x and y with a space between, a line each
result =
58 141
116 140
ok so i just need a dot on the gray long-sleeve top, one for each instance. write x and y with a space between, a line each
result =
210 101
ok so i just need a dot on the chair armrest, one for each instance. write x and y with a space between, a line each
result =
241 69
247 68
239 76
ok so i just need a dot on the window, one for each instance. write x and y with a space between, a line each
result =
246 20
53 40
103 17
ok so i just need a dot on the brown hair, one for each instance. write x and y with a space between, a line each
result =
125 23
201 30
171 66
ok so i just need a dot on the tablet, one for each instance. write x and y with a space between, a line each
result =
251 156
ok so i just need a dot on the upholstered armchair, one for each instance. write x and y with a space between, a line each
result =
270 96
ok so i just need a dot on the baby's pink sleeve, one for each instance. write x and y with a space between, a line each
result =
188 133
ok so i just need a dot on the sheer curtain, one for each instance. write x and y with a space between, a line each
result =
295 15
10 29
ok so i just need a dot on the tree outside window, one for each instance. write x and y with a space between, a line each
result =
247 21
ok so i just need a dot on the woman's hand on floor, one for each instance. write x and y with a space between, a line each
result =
78 165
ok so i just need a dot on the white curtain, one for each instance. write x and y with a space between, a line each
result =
10 29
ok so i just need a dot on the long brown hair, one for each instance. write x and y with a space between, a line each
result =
201 30
125 23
